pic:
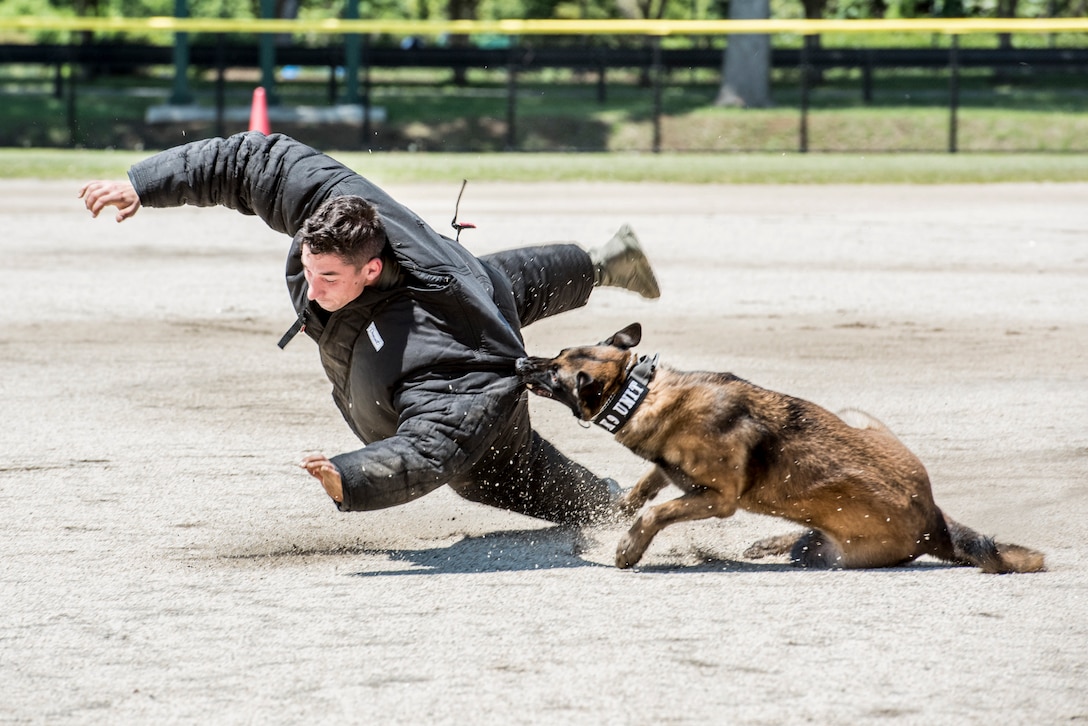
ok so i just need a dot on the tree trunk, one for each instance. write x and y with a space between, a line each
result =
746 63
1006 9
461 10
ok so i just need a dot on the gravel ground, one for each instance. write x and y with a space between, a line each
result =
165 561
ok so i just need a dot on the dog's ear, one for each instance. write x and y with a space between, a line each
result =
627 338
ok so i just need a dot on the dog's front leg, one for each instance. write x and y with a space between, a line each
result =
646 489
696 504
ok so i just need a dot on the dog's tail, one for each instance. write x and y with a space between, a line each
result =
972 548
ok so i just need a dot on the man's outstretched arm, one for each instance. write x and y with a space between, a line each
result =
441 437
274 177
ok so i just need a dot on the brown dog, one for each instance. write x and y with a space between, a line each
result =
727 443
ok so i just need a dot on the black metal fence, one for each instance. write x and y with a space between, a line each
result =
656 62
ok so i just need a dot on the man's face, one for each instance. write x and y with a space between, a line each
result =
333 282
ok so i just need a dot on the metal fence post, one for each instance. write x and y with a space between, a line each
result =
267 50
512 98
364 59
180 95
70 95
333 83
220 84
867 78
602 70
953 92
657 71
805 71
351 56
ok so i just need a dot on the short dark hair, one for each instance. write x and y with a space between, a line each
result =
346 226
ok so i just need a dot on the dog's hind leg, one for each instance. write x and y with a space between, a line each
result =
815 550
697 504
811 548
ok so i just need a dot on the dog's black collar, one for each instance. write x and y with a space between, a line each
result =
622 407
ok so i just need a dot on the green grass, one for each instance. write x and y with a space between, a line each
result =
64 164
785 168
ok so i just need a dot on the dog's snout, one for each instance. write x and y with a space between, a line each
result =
522 366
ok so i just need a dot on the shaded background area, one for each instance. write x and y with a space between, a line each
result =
603 94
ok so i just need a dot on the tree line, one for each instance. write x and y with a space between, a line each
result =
550 9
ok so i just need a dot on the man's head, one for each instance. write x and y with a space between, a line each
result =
341 245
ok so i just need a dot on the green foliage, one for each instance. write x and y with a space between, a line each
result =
40 9
36 8
557 9
564 9
218 8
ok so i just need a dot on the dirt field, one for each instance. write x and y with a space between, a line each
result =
163 559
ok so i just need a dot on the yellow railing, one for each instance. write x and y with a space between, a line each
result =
334 26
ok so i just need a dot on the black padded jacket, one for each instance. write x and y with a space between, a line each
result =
423 372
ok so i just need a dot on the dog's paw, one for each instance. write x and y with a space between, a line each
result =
628 552
771 546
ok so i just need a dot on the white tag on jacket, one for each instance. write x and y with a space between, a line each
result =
375 336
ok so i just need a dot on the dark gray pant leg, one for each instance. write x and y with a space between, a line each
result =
545 280
524 473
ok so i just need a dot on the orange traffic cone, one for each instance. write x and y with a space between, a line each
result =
258 112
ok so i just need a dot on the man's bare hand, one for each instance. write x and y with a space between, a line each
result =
97 195
325 471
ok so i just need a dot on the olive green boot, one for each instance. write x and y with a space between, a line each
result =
622 263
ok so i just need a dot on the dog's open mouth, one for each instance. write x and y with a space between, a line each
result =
531 377
539 390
